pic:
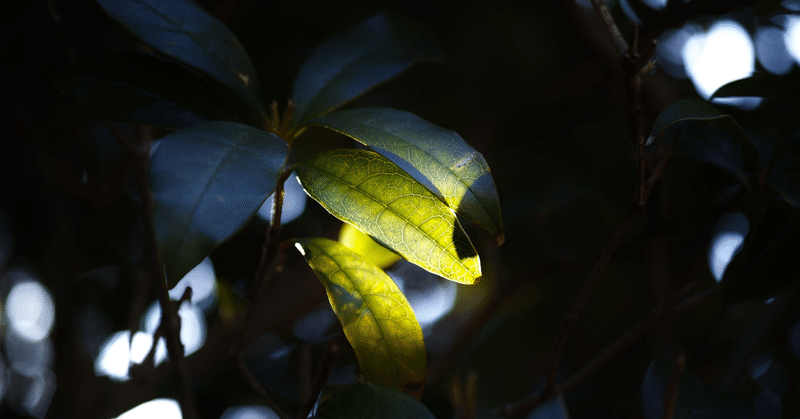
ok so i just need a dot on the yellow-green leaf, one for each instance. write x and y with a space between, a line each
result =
367 190
366 247
375 316
438 158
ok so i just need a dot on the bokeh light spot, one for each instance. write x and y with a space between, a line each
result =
726 242
203 281
193 327
158 408
249 412
294 201
772 51
30 310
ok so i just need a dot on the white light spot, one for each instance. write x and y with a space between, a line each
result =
30 310
772 51
193 327
114 357
792 36
253 411
203 281
718 57
158 408
300 248
294 201
728 237
430 297
670 51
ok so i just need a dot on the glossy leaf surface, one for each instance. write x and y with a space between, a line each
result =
438 158
363 244
140 87
761 85
696 399
181 29
375 316
368 400
348 64
367 190
207 181
699 110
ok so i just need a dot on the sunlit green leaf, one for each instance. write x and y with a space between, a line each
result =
696 399
363 244
140 87
436 157
367 400
375 315
689 110
184 31
367 190
348 64
207 181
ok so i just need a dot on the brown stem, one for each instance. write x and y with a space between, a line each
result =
613 31
326 366
169 314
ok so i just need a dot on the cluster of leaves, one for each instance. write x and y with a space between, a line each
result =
227 154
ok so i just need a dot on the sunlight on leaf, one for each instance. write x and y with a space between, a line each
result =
367 400
348 64
207 181
366 247
367 190
183 30
376 318
436 157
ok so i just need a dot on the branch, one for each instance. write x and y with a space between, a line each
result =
169 314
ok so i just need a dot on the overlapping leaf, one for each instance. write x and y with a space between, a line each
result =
347 65
367 400
140 87
696 399
184 31
377 319
436 157
207 181
689 110
363 244
761 85
367 190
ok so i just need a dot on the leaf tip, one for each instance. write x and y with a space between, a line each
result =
501 238
649 140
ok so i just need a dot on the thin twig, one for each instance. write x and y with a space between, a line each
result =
613 31
326 366
671 393
169 314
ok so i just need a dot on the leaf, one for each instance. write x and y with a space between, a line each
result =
696 399
707 144
140 87
376 317
348 64
366 247
367 190
436 157
207 181
760 85
181 29
785 178
368 400
699 110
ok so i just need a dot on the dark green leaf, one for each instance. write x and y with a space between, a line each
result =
376 317
707 144
688 110
436 157
696 399
761 85
368 400
367 190
785 178
140 87
348 64
207 181
184 31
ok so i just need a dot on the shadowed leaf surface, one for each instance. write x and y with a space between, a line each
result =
688 110
140 87
348 64
368 400
367 190
181 29
761 85
785 178
696 399
436 157
376 317
207 181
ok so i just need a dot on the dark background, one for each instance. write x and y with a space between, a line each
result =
534 86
